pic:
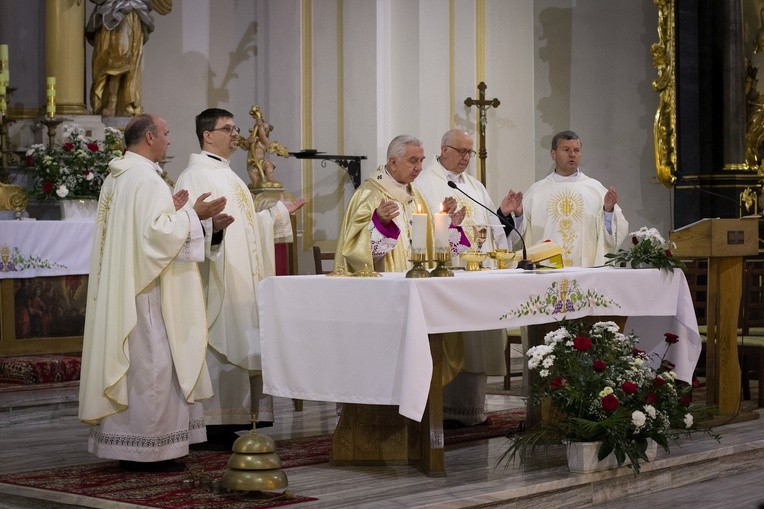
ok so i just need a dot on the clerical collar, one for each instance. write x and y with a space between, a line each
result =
456 178
215 157
565 178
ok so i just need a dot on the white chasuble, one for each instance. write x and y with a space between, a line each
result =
230 274
143 299
483 350
569 211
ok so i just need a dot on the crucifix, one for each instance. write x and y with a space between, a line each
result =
483 106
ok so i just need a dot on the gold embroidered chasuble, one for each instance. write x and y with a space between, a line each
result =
138 235
354 249
569 211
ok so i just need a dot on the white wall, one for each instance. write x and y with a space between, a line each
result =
378 68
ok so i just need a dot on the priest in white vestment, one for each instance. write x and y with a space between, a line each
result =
233 266
143 368
464 397
573 210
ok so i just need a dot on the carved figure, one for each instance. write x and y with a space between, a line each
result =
257 145
118 29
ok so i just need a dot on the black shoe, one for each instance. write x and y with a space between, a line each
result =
152 466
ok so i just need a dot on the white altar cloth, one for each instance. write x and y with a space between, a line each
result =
365 340
44 248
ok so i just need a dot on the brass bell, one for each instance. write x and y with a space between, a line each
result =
254 465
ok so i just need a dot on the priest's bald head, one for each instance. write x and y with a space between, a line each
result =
147 135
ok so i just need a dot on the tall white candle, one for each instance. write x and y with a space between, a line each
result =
50 86
5 64
419 233
442 223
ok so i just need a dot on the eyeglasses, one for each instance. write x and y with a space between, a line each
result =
228 129
463 151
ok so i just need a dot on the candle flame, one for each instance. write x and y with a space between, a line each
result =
419 208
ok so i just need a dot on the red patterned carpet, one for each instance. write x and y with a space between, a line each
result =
191 488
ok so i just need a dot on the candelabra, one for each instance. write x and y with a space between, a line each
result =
51 123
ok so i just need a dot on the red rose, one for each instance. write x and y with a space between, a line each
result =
658 381
557 382
629 387
599 366
30 160
47 187
634 240
668 253
93 147
686 399
636 352
582 343
671 338
610 403
68 147
651 398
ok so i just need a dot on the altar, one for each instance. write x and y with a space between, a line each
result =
375 341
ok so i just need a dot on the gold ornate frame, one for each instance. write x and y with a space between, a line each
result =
664 125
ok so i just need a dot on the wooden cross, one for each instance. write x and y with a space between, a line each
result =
483 106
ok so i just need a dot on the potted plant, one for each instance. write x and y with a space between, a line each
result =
74 169
648 249
601 388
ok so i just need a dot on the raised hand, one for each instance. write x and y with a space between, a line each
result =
387 210
611 198
207 209
294 206
220 222
180 198
512 203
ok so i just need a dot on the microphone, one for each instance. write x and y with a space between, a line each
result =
525 263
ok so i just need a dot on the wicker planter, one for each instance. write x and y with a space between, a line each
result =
582 458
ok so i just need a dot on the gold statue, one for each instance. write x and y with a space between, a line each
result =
257 144
754 129
118 29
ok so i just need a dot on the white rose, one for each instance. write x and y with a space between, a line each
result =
89 176
638 419
607 390
62 191
650 411
688 420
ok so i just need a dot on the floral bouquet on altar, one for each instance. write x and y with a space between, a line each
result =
74 169
648 249
599 387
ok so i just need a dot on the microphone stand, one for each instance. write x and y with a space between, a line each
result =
525 263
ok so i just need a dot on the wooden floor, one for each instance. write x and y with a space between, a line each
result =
49 435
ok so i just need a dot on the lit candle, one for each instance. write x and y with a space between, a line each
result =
442 223
419 232
5 73
51 94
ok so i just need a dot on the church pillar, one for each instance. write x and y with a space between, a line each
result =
65 53
733 84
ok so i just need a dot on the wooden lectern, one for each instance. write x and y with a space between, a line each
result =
724 242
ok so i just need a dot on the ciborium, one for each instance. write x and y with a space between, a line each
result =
503 258
473 259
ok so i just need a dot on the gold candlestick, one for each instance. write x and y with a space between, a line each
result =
418 270
442 270
51 124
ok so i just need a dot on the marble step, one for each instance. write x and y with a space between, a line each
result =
38 406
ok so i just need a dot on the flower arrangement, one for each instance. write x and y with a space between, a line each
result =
74 169
648 249
601 387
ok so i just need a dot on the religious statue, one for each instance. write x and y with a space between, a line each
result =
118 29
257 144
